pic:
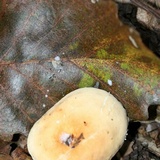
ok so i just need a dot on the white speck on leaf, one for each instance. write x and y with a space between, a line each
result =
44 105
94 1
109 82
57 63
46 95
57 58
59 70
133 41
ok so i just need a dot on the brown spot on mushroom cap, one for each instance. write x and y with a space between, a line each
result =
97 108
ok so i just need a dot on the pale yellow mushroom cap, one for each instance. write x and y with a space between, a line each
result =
87 124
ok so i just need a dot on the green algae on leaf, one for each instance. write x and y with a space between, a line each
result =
125 66
98 69
137 90
102 54
86 81
73 46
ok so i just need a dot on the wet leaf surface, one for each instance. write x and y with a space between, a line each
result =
49 48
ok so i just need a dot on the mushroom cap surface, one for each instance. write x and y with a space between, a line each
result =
86 124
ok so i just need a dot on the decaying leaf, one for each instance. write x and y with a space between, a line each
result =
5 157
19 154
4 147
92 46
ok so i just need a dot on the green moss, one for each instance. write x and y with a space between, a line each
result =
150 80
74 46
141 75
86 81
132 69
125 66
102 54
99 71
139 71
138 91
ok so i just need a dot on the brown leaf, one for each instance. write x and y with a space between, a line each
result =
49 48
5 147
5 157
19 154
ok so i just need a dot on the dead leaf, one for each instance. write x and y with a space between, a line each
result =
5 157
92 46
5 147
19 154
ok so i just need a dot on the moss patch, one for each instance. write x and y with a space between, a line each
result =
102 54
86 81
125 66
137 90
99 71
74 46
141 74
151 81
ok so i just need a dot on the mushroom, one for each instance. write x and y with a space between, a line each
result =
86 124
